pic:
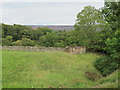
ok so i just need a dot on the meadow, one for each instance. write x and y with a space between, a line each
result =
35 69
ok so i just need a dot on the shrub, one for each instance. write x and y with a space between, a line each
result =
7 41
17 43
27 42
59 44
106 65
24 42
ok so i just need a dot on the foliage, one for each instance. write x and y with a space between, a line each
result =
106 65
112 15
111 11
41 36
16 31
17 43
7 41
48 40
24 42
99 30
109 64
59 44
56 39
90 25
113 45
27 42
39 32
71 39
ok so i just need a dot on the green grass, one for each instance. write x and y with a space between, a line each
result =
22 69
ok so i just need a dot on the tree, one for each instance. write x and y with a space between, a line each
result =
20 31
24 42
71 39
16 31
25 33
109 63
27 42
17 43
113 45
111 11
39 32
48 40
7 30
89 25
7 41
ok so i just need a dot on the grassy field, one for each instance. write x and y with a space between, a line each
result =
22 69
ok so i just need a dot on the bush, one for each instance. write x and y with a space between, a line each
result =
24 42
27 42
7 41
59 44
106 65
17 43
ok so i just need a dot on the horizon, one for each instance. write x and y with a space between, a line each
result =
41 24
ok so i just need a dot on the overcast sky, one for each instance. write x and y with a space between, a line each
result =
43 12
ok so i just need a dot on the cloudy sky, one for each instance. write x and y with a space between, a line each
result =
43 12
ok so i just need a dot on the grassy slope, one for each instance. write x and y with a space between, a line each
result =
51 69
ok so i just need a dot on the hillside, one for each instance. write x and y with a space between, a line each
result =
51 70
54 27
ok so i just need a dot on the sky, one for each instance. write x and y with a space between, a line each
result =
45 13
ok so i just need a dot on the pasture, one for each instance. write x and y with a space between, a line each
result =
37 69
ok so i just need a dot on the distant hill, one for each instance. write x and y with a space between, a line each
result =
54 27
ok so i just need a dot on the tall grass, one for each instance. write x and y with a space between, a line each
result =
49 69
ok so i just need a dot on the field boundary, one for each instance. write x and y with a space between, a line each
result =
72 50
28 48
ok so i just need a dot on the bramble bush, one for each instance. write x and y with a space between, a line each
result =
106 65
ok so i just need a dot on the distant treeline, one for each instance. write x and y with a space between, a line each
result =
98 30
18 35
54 27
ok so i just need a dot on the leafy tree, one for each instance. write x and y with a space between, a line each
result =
20 31
17 43
36 34
111 12
59 44
7 30
7 41
71 39
24 42
107 65
27 42
90 24
48 40
113 45
16 31
25 33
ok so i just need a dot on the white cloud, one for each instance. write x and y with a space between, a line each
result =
52 0
43 13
